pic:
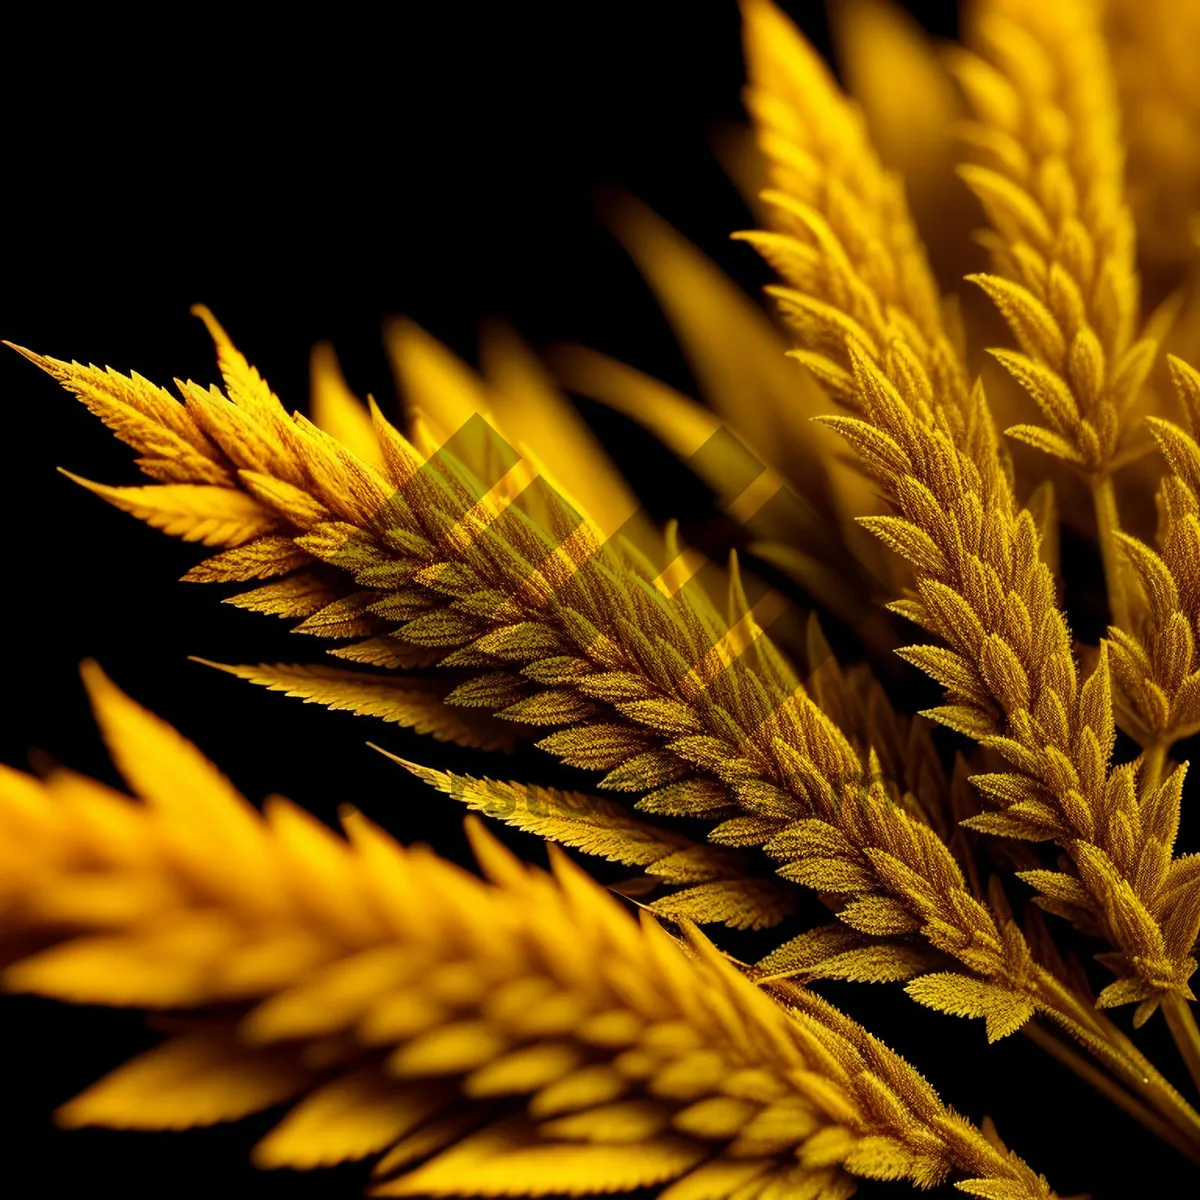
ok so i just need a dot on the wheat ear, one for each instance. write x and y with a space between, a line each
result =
1050 177
546 623
513 1037
554 628
656 689
1155 660
982 587
842 237
1009 667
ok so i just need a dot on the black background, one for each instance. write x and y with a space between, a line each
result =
306 181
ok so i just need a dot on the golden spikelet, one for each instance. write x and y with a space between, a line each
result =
1049 176
695 711
1048 172
842 237
1008 662
483 575
1155 658
557 1048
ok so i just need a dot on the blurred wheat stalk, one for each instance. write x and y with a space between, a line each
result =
489 579
523 1035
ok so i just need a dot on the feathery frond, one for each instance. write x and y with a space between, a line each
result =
1007 662
483 574
675 701
716 885
557 1049
1049 176
843 240
1155 660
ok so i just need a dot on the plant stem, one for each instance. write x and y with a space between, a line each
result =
1108 1087
1108 523
1119 1055
1182 1023
1152 767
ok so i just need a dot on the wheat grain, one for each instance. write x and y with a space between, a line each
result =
1049 175
843 239
505 1056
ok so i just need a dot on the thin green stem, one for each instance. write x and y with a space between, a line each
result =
1182 1023
1108 1087
1108 523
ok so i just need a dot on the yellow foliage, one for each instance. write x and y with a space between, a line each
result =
981 585
1048 172
353 978
552 627
1155 657
485 576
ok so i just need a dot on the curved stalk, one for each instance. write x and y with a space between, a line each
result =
1182 1023
1119 1055
1154 765
1109 1088
1108 525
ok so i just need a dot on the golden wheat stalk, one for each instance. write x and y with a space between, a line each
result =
1008 664
1049 174
551 627
521 1036
1155 659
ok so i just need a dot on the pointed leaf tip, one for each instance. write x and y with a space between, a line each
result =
215 329
415 768
38 360
100 688
228 668
79 479
408 766
496 861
